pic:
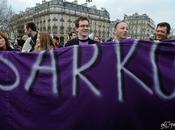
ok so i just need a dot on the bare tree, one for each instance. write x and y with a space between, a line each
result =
5 16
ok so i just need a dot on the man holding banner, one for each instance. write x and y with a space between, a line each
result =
83 28
120 31
162 31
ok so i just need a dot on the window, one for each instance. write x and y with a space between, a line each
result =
55 19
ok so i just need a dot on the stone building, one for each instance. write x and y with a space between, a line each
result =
58 16
140 26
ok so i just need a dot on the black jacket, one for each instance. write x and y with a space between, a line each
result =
76 42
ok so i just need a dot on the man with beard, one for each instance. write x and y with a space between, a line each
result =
162 31
31 31
83 28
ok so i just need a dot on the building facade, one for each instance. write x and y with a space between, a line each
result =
59 16
140 26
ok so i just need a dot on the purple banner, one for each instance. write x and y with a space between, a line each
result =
92 87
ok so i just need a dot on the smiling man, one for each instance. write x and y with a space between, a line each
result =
82 26
162 31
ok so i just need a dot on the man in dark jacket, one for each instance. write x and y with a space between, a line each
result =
31 30
83 29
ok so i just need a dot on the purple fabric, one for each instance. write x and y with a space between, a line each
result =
125 86
83 43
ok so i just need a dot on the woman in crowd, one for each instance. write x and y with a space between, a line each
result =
44 42
4 43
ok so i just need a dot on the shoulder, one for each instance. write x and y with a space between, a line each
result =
72 42
90 41
26 47
28 40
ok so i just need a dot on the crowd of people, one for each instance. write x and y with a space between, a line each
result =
39 41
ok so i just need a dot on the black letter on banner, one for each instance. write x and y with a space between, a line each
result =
156 74
121 69
37 67
16 83
78 71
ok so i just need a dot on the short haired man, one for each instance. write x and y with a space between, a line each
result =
120 31
31 31
72 35
96 39
162 31
82 26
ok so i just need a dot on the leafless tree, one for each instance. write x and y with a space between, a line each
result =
5 15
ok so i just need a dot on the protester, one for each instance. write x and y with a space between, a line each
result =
18 44
4 43
31 31
72 35
120 31
162 31
56 42
44 42
97 39
83 29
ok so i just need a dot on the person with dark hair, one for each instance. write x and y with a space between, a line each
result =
97 39
31 27
82 26
4 43
31 31
162 31
72 35
56 41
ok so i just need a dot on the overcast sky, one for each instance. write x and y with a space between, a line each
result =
158 10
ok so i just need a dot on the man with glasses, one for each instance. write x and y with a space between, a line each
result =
83 28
